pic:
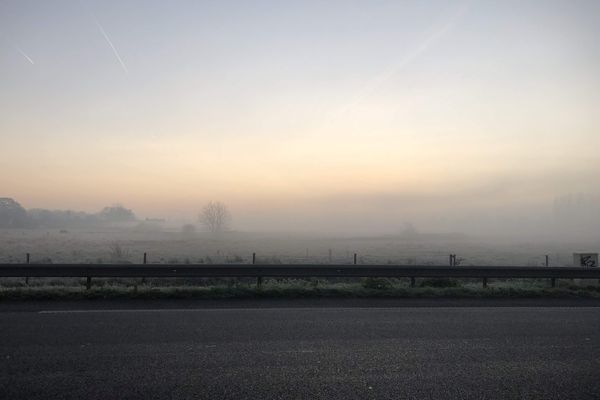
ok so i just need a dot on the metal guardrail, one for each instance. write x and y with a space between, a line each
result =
287 271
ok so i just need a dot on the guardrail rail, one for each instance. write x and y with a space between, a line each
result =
258 271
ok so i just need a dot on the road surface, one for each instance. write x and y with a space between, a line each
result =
311 350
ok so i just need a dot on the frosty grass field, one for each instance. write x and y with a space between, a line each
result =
128 246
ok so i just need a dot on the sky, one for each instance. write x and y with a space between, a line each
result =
349 115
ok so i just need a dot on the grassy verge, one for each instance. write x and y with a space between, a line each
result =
301 289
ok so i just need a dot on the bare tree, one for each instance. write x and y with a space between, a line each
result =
215 216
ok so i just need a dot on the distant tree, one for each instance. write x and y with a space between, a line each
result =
40 217
409 231
12 214
118 254
215 216
117 213
188 229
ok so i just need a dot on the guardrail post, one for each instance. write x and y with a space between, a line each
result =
144 278
258 278
484 282
88 283
354 258
412 281
553 282
27 278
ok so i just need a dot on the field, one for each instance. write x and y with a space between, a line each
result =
129 245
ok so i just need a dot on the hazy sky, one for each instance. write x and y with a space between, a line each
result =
296 114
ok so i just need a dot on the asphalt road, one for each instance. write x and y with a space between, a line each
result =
276 350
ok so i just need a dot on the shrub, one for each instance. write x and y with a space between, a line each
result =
376 283
440 283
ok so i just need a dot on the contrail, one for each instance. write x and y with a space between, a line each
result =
10 43
111 45
23 54
380 79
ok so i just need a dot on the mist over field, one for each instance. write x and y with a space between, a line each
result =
343 119
117 234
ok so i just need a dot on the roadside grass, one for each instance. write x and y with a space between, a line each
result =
73 289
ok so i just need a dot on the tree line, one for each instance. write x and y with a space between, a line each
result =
13 215
215 216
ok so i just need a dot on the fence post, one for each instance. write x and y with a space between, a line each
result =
484 282
547 263
450 259
553 282
27 278
354 258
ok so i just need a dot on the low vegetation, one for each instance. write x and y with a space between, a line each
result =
288 288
